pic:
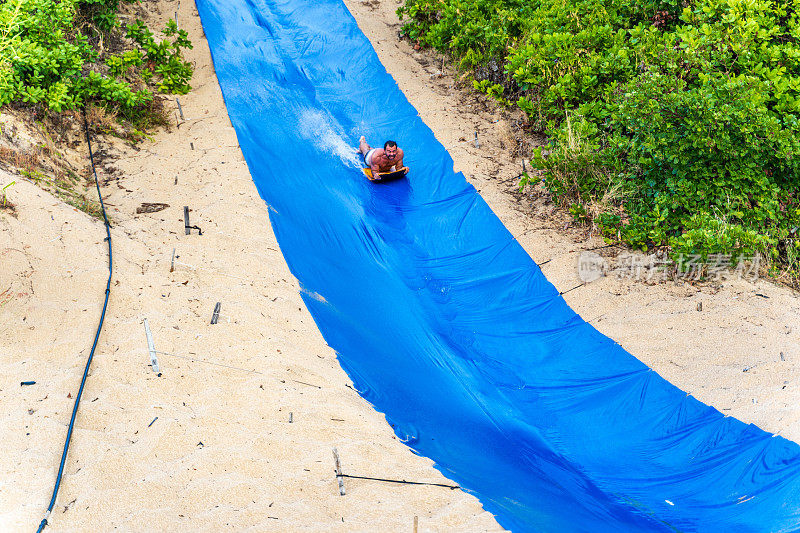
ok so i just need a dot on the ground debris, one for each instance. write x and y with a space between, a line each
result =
150 208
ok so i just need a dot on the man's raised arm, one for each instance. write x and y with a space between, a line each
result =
399 164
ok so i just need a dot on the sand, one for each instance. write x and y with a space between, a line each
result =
237 433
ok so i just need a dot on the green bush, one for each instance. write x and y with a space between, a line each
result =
671 123
475 30
714 149
47 58
173 71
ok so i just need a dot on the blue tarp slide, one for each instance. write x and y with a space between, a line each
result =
447 326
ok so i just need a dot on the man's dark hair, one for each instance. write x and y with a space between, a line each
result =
387 144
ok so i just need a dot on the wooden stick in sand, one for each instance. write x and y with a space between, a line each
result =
338 472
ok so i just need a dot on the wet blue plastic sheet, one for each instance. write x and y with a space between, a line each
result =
446 325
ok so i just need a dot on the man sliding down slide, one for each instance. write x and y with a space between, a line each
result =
382 160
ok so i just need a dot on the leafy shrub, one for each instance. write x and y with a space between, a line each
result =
46 57
475 30
712 149
671 123
165 56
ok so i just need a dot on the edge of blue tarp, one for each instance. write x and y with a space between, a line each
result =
446 325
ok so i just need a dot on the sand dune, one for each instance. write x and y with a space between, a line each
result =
237 433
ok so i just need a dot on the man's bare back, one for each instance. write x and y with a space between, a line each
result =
385 159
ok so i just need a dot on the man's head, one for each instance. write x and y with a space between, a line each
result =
390 149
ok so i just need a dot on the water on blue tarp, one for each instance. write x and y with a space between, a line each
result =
447 326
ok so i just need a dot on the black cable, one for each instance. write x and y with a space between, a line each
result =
572 289
403 481
96 336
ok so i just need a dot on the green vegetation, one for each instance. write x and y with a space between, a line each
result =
3 191
67 186
52 53
57 56
672 123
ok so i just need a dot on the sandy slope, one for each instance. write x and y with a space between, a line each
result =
222 454
254 469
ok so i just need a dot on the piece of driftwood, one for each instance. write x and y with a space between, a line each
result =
180 109
147 207
151 348
338 471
